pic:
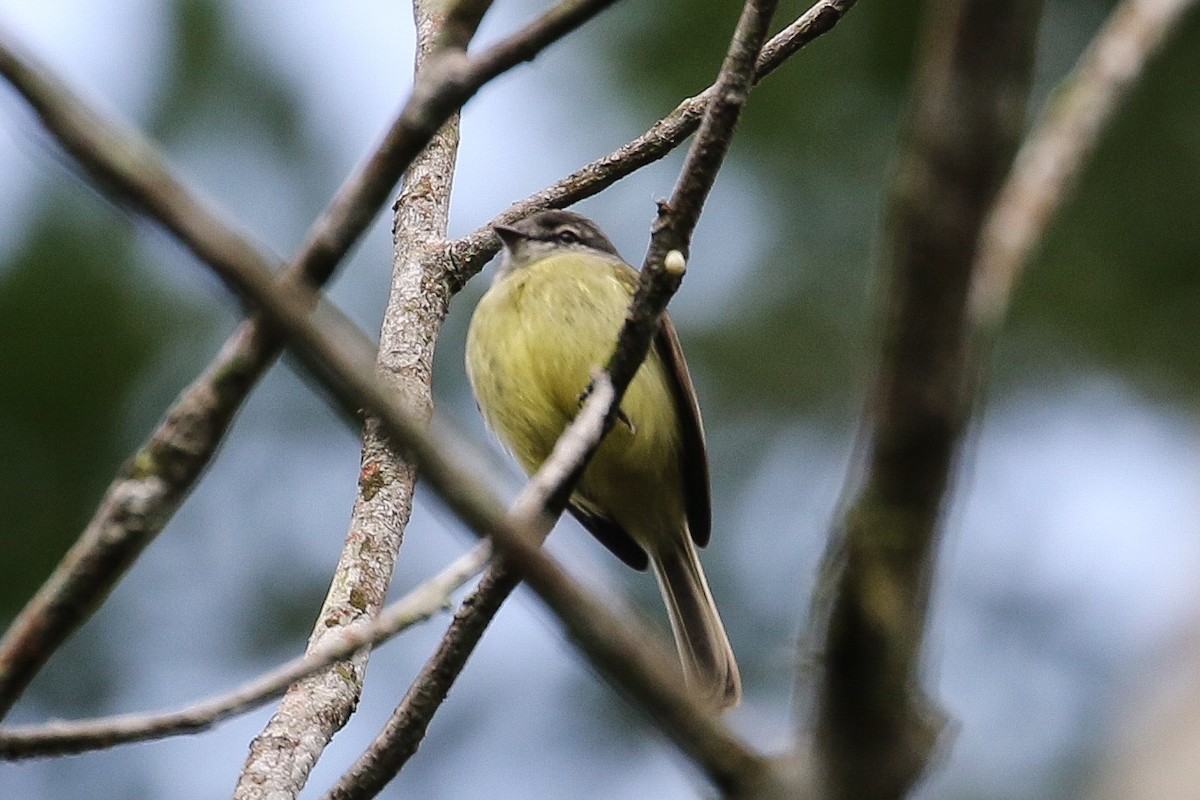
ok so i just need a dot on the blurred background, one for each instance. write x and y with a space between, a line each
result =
1068 576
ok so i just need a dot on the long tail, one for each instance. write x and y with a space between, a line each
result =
708 663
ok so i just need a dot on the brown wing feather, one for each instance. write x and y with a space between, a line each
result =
612 536
697 494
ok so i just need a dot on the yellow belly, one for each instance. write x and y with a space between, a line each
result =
534 341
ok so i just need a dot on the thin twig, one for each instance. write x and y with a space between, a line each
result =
158 477
470 253
874 730
678 216
57 738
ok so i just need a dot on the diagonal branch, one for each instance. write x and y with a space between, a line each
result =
158 477
470 253
874 730
57 738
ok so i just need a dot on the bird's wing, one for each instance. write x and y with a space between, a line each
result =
697 493
611 535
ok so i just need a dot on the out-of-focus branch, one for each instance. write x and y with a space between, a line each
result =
469 254
873 729
57 738
1052 157
156 478
869 608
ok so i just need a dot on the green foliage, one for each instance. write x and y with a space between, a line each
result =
81 325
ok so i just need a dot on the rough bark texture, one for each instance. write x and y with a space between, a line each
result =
315 709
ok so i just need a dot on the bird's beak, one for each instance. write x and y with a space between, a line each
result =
508 235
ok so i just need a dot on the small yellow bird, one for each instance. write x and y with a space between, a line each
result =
550 318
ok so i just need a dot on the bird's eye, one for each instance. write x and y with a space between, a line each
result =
568 237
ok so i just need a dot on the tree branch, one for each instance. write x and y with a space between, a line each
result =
469 254
678 216
871 583
158 477
58 738
874 730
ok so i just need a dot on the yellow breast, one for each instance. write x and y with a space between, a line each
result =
534 341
